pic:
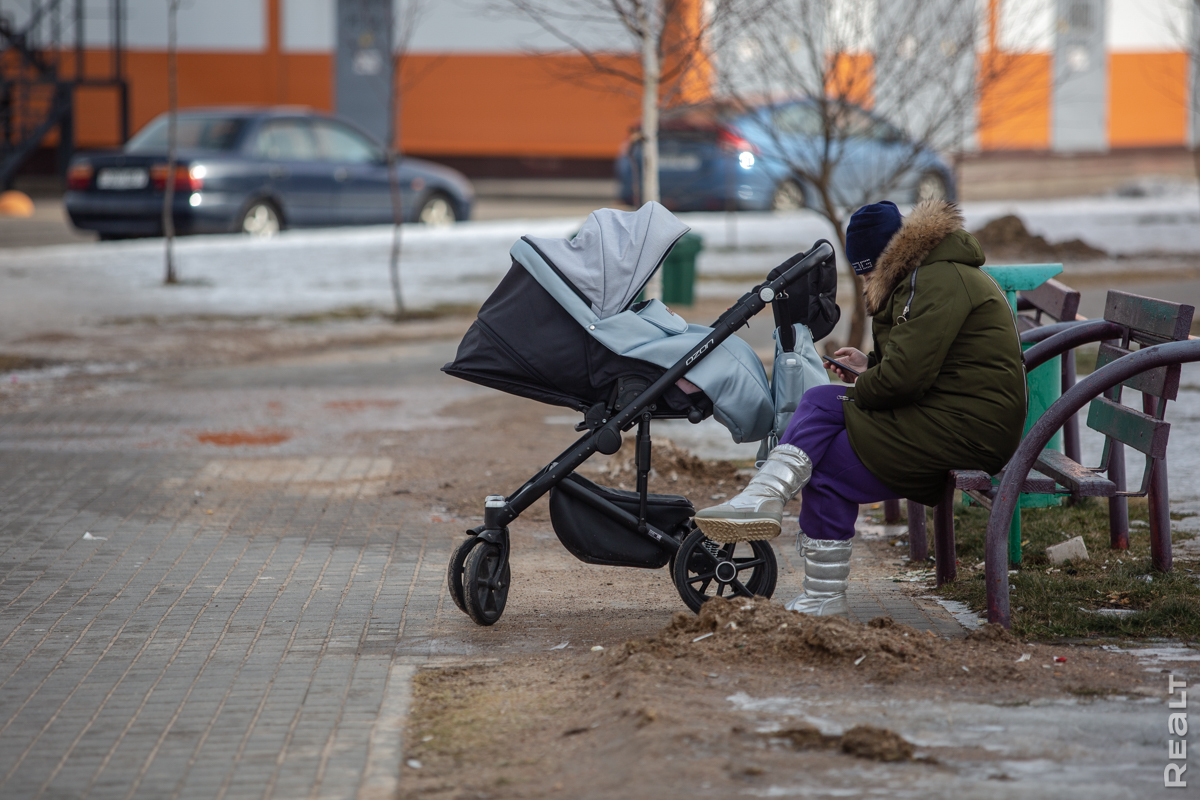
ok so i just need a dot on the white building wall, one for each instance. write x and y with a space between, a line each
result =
1147 26
451 26
203 25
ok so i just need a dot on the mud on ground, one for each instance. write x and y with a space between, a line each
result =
681 713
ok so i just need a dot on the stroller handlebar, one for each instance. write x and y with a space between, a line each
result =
780 278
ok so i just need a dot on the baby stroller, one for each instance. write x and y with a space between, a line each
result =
562 327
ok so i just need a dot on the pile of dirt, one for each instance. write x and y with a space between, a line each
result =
756 631
11 362
757 628
669 462
1007 237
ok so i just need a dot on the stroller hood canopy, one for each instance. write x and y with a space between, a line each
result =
731 375
614 254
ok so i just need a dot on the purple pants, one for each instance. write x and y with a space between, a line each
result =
839 481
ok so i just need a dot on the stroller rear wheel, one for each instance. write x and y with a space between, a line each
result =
454 571
704 569
485 582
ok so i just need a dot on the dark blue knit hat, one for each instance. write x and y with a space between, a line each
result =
870 230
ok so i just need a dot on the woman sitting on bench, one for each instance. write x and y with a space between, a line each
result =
943 388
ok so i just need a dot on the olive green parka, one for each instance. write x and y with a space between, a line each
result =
945 385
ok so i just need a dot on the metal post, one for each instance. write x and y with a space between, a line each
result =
891 512
80 72
1071 429
943 537
918 542
1118 507
64 93
118 69
1160 510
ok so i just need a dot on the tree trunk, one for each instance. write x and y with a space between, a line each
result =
397 217
651 72
858 315
168 211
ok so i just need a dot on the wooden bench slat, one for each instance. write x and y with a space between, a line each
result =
1158 382
1037 483
975 479
1055 299
1140 431
1073 475
979 481
1161 319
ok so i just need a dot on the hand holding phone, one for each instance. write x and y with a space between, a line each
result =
853 364
842 366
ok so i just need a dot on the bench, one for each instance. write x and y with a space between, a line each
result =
1128 320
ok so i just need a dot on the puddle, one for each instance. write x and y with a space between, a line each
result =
961 612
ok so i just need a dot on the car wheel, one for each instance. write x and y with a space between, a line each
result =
437 210
789 196
260 218
931 186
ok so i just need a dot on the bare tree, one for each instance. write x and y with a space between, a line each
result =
672 39
804 73
410 14
168 210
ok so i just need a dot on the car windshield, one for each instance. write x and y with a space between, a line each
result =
192 133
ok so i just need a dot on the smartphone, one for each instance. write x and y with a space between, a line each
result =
840 365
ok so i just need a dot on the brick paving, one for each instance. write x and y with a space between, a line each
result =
182 622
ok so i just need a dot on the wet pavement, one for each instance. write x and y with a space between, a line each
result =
218 582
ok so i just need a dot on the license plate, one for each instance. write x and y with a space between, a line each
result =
681 163
114 179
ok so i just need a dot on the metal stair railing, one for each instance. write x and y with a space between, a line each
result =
37 89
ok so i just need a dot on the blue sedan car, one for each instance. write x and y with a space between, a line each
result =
716 157
257 171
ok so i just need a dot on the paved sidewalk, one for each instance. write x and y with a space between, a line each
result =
184 619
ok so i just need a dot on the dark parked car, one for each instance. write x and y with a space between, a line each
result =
258 171
718 157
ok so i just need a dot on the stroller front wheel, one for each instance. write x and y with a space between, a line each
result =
486 578
704 569
454 571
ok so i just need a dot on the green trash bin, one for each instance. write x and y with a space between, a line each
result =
1044 383
679 271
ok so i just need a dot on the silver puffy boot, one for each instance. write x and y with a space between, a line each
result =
757 513
826 577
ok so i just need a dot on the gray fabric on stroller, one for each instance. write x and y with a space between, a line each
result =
608 263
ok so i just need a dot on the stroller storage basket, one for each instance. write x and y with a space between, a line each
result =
593 537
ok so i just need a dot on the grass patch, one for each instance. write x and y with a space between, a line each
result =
457 713
1051 602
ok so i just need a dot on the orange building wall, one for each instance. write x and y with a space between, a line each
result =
517 105
502 105
460 105
204 79
1014 101
851 77
1147 99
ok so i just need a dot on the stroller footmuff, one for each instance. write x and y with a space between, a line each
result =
563 328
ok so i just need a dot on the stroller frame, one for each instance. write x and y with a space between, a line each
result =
478 574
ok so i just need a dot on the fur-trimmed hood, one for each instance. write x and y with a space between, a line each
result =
920 234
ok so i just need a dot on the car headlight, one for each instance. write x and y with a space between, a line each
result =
746 159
